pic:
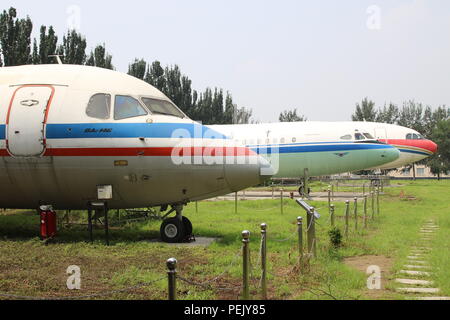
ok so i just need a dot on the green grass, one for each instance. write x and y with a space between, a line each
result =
28 267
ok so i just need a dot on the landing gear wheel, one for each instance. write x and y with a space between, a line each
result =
173 230
188 229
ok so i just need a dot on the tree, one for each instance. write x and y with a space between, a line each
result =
15 39
73 48
48 42
138 69
100 58
291 116
365 111
411 116
388 114
440 162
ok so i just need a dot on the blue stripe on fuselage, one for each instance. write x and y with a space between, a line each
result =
320 148
414 152
130 130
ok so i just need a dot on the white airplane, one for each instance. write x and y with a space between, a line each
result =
412 145
67 131
71 132
308 149
311 149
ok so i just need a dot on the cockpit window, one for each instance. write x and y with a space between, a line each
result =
347 137
162 107
359 136
369 136
414 136
99 106
127 107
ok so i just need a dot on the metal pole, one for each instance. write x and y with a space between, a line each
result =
332 215
332 192
329 199
347 216
378 201
91 236
282 201
106 224
300 238
356 214
365 211
264 261
245 265
373 204
311 231
172 278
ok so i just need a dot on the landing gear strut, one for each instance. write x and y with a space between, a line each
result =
178 229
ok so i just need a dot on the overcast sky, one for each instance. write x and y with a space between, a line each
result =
319 56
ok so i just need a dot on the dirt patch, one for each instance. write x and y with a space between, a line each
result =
361 263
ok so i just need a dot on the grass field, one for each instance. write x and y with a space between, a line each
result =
30 268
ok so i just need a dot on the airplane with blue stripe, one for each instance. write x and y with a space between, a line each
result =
68 133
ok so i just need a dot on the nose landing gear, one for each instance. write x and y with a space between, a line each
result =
178 229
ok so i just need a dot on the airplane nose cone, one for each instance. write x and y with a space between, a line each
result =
432 147
390 154
247 171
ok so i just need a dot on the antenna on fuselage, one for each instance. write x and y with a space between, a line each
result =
57 56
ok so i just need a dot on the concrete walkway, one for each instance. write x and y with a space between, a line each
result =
417 271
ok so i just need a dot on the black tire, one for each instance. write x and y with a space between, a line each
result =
188 229
173 231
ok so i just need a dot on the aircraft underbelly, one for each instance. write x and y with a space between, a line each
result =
70 182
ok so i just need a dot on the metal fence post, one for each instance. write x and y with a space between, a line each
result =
356 214
332 192
300 238
365 211
311 231
172 278
347 216
264 261
282 201
373 204
378 201
329 200
245 265
332 215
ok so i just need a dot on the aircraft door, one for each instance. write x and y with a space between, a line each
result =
26 120
380 134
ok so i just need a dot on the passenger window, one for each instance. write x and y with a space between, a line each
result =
99 106
359 137
294 140
347 137
127 107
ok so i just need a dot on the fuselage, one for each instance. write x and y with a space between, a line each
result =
65 130
311 148
412 145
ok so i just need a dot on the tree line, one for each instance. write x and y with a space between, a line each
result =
212 106
433 124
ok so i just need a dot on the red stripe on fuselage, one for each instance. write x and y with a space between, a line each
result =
423 144
145 152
